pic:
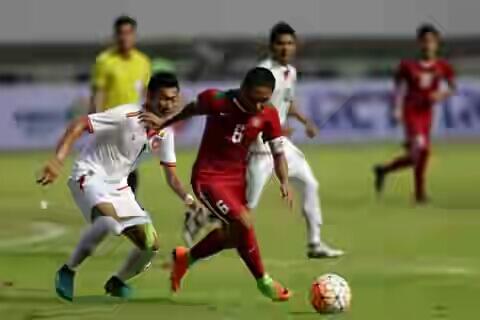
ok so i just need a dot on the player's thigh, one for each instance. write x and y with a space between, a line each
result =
260 168
299 169
226 201
259 171
89 192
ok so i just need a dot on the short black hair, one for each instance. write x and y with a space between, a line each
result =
425 28
162 80
123 20
259 77
279 29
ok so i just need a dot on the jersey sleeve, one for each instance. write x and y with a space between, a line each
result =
294 85
105 121
400 74
210 101
448 72
165 151
99 74
272 128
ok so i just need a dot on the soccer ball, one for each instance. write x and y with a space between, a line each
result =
330 293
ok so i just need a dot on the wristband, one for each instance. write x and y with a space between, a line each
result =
188 200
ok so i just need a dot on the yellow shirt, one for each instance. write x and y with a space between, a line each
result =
122 79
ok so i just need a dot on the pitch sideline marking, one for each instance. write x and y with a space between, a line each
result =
40 232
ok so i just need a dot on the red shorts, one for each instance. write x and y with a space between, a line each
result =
226 200
417 130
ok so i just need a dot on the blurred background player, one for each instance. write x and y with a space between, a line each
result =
98 181
418 87
234 120
120 74
283 43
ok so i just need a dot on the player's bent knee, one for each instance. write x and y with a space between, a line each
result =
245 220
313 184
239 225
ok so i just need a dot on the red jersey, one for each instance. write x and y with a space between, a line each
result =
422 80
228 134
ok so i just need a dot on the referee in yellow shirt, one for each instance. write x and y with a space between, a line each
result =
120 74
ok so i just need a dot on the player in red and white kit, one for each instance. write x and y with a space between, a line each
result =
234 120
418 87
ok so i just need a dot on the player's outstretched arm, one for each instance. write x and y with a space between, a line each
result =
445 93
96 100
176 185
281 171
53 167
154 122
281 168
310 128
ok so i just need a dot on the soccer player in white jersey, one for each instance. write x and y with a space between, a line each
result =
98 182
282 51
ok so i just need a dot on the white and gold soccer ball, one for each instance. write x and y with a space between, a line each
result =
330 293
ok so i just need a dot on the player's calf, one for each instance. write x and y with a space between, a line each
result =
379 178
243 234
139 259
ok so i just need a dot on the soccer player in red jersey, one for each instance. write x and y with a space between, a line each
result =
418 87
234 120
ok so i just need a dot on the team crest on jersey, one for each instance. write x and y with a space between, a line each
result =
256 122
162 134
156 140
426 79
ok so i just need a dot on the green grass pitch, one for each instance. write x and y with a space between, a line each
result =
403 262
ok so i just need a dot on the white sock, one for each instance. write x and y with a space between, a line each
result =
91 238
136 263
313 234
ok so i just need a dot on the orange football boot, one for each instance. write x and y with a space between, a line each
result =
179 267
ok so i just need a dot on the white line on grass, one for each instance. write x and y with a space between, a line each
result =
38 232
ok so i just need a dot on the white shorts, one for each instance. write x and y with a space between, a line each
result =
91 190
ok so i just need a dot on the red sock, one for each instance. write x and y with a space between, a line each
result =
419 173
250 252
398 163
213 243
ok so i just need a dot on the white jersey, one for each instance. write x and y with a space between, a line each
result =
283 95
118 142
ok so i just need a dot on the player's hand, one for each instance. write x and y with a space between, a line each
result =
196 206
438 96
151 121
286 194
311 130
50 172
